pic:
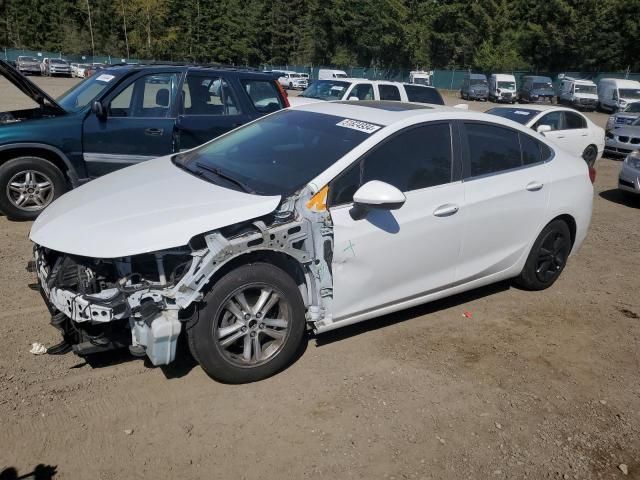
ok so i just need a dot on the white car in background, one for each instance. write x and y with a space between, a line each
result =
292 80
314 217
363 89
567 128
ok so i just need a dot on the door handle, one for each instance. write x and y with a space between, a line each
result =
154 132
534 186
446 210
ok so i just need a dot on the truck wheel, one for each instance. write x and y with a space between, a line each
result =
250 324
28 185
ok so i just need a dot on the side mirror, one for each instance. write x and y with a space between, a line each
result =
543 128
376 195
98 109
353 98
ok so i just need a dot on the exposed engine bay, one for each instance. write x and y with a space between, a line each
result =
143 301
20 115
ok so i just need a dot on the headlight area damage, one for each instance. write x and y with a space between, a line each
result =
144 301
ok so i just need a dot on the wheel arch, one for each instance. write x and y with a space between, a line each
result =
47 152
571 223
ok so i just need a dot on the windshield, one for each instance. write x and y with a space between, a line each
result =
542 86
59 62
507 85
83 93
629 93
477 81
27 59
520 115
326 90
633 107
278 154
585 89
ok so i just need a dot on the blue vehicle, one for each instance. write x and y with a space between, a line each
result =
536 89
119 116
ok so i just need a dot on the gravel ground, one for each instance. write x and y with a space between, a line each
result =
534 385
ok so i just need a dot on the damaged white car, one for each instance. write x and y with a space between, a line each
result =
314 217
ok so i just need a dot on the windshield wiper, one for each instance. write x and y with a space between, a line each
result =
223 175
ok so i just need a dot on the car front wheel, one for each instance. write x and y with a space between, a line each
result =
250 324
28 185
547 257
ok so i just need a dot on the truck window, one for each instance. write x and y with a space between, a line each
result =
389 92
423 95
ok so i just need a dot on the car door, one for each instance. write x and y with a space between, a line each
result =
393 255
568 130
138 125
506 197
209 107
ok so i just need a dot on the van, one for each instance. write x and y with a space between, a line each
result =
474 87
580 94
327 74
535 88
615 94
291 80
502 88
421 77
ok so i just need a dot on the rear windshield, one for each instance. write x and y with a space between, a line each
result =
264 95
423 95
326 90
629 93
277 154
520 115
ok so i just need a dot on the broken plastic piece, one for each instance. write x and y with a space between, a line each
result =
467 315
38 349
318 203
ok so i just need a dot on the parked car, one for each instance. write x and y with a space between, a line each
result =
502 88
79 70
291 80
535 89
474 87
280 226
623 139
55 66
421 77
580 94
629 177
116 118
625 116
570 130
363 89
615 94
28 65
328 74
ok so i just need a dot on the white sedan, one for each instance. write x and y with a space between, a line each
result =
314 217
569 129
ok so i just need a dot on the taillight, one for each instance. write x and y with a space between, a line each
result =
284 95
592 174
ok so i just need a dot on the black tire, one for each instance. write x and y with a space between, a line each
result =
547 257
290 86
224 363
590 155
10 173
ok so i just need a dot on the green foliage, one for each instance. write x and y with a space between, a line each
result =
488 35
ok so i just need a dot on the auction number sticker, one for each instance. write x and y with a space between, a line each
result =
520 112
358 125
105 78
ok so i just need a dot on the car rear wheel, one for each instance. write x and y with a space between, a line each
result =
590 154
250 324
28 185
547 257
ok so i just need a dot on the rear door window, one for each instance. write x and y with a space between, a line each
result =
263 94
492 149
364 91
554 119
208 95
574 121
389 92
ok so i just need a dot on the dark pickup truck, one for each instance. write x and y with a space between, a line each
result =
120 116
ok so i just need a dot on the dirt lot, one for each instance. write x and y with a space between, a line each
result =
534 385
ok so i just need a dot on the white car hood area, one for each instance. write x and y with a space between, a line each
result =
144 208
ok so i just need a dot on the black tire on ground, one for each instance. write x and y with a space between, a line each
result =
14 171
590 154
225 363
547 257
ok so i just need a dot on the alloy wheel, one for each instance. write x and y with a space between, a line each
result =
30 190
552 255
253 325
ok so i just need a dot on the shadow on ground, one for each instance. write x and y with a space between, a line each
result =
40 472
621 198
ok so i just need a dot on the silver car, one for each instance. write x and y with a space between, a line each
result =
28 65
629 178
623 140
624 117
56 66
